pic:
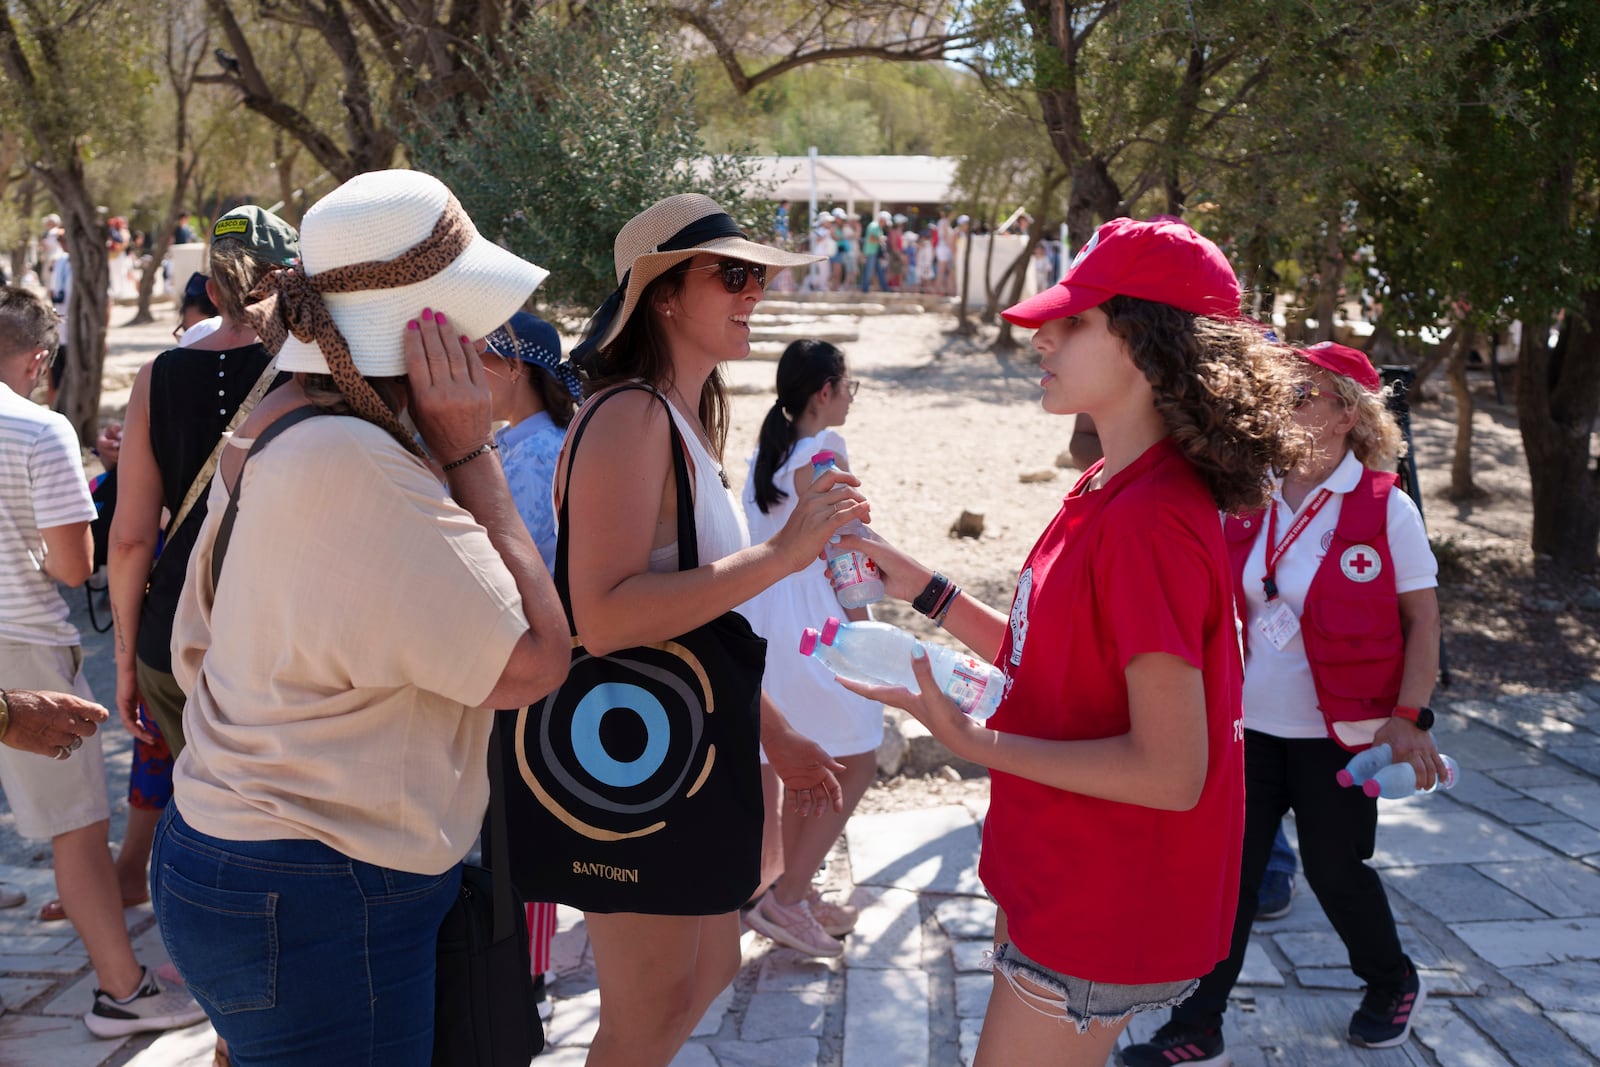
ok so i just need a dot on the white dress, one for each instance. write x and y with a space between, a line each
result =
719 523
803 689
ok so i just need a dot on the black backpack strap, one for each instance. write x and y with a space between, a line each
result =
688 540
219 549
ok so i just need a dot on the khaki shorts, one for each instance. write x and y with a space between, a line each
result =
50 797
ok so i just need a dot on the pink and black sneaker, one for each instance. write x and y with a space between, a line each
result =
1384 1018
1178 1043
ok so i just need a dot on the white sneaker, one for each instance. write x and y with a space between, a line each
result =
792 925
836 918
150 1008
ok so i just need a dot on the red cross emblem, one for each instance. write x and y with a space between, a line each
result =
1360 563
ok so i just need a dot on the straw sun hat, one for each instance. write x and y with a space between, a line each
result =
377 217
657 239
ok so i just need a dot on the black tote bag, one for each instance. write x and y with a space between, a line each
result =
486 1013
636 786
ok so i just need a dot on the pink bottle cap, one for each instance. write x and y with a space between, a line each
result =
1345 778
825 456
1371 787
830 630
808 641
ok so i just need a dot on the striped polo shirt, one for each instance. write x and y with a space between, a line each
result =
41 485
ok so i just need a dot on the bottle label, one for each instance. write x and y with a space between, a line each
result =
850 568
968 680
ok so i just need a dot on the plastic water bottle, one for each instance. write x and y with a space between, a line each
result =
853 575
880 654
1399 780
1364 765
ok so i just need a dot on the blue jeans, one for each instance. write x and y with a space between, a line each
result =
300 955
876 263
1282 859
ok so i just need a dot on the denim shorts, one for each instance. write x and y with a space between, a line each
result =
1062 996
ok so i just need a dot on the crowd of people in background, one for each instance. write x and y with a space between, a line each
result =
899 252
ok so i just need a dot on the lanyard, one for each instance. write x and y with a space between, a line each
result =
1275 551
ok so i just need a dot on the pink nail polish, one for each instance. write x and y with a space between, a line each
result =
438 316
427 314
466 341
413 325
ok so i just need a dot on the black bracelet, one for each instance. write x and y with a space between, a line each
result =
944 609
470 456
928 599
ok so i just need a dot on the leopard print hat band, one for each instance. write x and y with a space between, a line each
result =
290 302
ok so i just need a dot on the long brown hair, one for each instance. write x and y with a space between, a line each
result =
1223 391
640 351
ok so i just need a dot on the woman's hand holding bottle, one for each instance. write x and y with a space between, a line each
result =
825 505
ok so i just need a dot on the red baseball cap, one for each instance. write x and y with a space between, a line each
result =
1341 359
1161 260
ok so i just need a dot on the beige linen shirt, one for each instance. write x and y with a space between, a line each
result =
360 618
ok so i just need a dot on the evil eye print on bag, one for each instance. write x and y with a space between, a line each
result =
623 738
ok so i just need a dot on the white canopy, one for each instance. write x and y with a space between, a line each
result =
858 182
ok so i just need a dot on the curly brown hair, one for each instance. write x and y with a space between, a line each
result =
1223 391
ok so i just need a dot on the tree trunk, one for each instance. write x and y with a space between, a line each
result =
1094 198
1558 394
1461 487
1008 282
986 316
1328 286
147 280
964 324
79 398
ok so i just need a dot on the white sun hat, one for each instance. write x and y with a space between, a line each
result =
374 218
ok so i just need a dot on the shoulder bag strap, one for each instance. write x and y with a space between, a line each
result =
688 542
225 529
505 899
207 469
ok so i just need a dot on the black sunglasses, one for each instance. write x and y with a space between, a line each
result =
848 384
735 273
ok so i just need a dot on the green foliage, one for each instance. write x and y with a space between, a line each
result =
854 108
589 123
1506 223
93 74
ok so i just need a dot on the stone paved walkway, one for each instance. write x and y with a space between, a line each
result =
1496 886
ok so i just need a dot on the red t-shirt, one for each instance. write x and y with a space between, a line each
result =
1096 889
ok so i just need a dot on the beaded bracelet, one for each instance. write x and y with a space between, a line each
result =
928 599
470 456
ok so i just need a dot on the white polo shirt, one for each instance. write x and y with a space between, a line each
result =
1279 696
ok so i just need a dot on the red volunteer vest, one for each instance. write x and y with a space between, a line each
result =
1351 622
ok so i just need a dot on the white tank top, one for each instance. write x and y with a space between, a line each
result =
718 517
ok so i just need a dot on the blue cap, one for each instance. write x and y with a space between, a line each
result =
533 340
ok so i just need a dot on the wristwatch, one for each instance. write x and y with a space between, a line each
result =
1421 718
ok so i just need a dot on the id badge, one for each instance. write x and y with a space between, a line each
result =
1279 626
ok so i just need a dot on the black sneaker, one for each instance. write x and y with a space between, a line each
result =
1384 1018
150 1008
1175 1043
